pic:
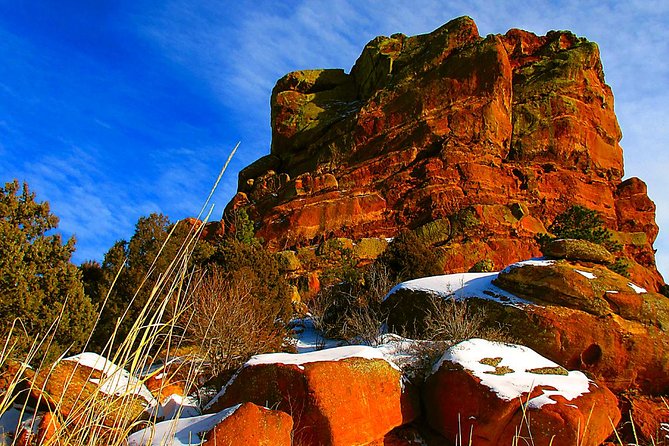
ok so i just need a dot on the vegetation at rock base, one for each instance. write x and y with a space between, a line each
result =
351 309
408 257
581 223
39 286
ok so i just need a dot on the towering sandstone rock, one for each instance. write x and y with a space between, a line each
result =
495 136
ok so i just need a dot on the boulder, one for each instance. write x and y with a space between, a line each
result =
489 393
245 424
586 318
327 393
87 388
288 261
253 426
41 430
564 284
572 249
650 417
370 248
514 128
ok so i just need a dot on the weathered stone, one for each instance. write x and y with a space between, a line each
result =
370 248
355 397
512 128
288 261
648 416
252 425
572 249
487 393
435 232
82 394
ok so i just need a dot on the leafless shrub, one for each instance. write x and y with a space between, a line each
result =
452 321
447 322
228 323
352 311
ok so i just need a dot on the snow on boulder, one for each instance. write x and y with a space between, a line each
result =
112 379
245 424
582 317
494 391
341 396
408 302
87 386
590 318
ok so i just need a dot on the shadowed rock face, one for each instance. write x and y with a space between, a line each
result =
511 129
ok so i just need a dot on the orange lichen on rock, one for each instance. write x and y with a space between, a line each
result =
252 425
343 402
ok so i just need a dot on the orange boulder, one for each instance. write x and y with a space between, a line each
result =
252 425
341 396
489 393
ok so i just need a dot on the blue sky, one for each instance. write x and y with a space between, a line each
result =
113 109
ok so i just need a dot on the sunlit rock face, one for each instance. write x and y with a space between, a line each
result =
497 134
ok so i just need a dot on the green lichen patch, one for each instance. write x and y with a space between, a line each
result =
557 370
494 362
434 232
501 370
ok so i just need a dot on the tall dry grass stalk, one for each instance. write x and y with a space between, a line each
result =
93 417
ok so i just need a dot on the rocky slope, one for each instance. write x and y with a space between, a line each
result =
494 136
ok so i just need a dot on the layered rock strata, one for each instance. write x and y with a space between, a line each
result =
496 135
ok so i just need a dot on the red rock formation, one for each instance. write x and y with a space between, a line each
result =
353 400
424 127
252 425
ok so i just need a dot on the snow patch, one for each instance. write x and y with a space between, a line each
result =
177 406
530 262
308 338
519 381
13 419
586 274
179 432
637 289
461 286
403 352
332 354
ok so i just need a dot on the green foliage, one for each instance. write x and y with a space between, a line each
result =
620 266
38 283
343 264
482 266
260 269
579 222
407 257
131 269
242 226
